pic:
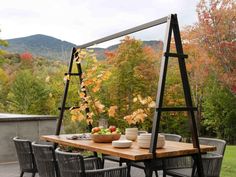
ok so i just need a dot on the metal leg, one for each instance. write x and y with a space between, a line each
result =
148 168
95 154
156 173
120 162
103 162
198 162
21 174
194 167
148 172
164 173
128 165
164 168
129 169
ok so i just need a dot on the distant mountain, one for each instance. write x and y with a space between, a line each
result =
53 48
156 45
41 45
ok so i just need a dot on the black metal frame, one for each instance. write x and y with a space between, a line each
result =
172 26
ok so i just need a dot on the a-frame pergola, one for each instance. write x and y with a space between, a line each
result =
172 27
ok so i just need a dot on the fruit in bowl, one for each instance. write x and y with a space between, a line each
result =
105 135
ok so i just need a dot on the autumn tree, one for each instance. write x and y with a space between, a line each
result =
134 78
211 46
217 34
26 56
199 66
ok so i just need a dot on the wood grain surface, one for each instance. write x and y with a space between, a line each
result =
171 148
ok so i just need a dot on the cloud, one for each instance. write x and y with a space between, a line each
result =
80 21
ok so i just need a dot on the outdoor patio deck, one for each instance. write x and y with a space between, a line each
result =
12 170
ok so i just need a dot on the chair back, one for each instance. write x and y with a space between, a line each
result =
45 160
220 144
177 162
70 164
25 155
212 162
108 172
172 137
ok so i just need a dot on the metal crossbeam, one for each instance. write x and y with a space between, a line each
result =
125 32
176 109
177 55
69 107
72 74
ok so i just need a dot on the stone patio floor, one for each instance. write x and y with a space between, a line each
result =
12 170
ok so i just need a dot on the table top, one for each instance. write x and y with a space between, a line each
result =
171 148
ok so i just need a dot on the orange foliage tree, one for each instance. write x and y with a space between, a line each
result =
133 82
216 33
121 88
26 56
211 47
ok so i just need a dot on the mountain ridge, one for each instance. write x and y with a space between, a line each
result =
54 48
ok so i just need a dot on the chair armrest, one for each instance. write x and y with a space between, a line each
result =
211 156
114 172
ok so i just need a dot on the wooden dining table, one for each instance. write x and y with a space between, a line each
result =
134 153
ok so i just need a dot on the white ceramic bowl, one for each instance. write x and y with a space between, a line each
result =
131 133
141 132
146 135
144 141
143 144
122 143
131 136
160 143
131 130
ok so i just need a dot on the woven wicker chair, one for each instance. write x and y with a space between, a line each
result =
211 161
157 164
45 160
172 137
25 156
74 165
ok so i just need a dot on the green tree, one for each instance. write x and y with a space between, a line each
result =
219 111
4 44
4 87
28 94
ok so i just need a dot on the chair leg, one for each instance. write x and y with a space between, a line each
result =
156 173
33 174
120 163
103 162
164 173
21 174
148 172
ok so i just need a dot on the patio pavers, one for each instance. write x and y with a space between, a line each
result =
12 170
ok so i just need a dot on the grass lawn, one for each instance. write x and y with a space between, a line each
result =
229 162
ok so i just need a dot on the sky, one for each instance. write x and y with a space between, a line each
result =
81 21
